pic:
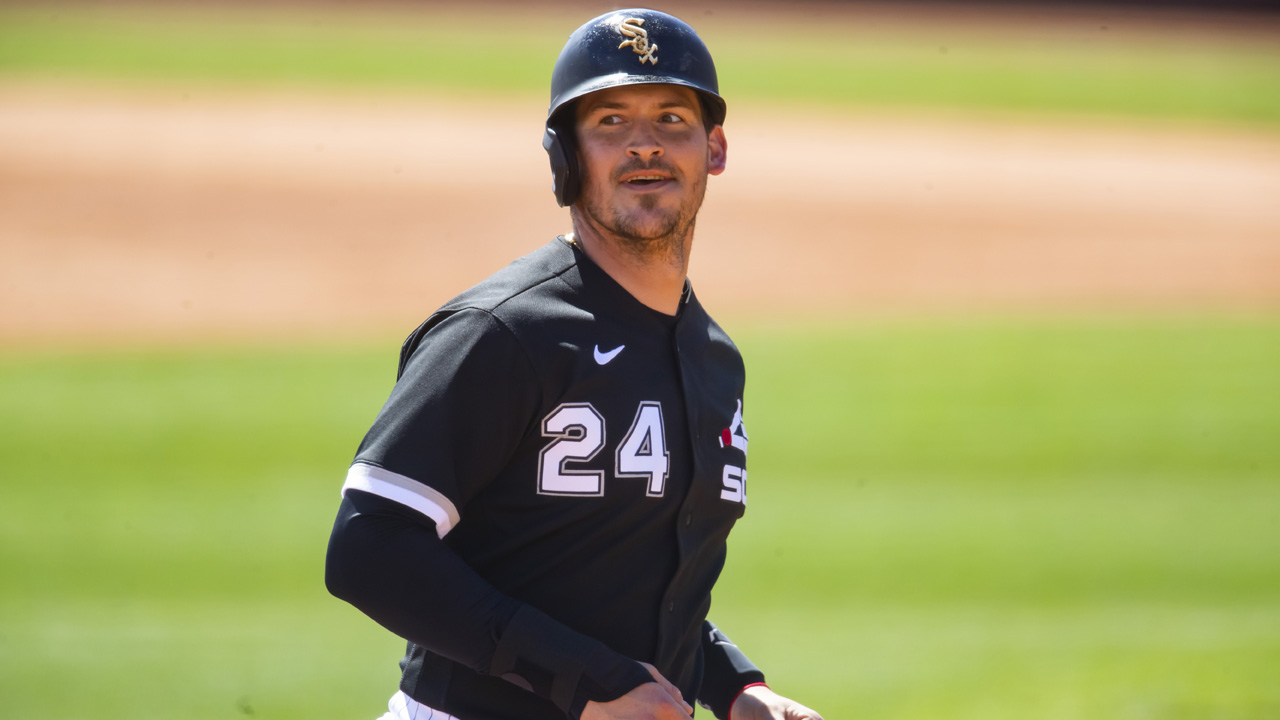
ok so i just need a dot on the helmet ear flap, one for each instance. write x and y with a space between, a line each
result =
564 164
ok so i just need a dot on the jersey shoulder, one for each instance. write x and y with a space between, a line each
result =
530 287
524 280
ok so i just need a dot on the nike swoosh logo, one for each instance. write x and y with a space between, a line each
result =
603 358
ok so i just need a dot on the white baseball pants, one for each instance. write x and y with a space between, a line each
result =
403 707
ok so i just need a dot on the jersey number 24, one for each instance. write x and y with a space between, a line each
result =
578 434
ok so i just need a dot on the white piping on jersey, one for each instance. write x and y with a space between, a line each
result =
404 490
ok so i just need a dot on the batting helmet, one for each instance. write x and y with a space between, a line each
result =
626 47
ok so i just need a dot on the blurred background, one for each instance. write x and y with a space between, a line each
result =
1006 278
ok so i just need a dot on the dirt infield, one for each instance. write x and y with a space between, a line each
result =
128 213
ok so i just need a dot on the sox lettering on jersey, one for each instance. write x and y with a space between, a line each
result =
735 484
734 478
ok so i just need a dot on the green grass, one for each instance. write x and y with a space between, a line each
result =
1074 519
1075 68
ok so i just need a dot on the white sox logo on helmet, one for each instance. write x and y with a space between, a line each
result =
639 42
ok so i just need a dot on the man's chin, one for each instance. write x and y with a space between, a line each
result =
654 221
647 228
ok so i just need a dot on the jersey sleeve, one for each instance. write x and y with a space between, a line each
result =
726 671
465 397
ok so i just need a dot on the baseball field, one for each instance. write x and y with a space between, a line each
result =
1007 285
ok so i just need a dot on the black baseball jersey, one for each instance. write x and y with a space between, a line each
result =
586 456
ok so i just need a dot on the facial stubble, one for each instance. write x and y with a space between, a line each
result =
655 240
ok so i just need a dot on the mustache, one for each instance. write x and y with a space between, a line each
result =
638 165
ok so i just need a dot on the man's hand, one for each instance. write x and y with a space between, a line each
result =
761 703
658 700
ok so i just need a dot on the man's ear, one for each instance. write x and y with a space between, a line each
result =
717 150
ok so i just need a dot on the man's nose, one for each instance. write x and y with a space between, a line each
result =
644 145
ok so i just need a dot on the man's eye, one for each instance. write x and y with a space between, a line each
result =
611 120
671 118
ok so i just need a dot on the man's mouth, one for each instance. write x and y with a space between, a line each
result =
646 180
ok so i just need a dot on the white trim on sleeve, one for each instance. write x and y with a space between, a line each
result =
404 490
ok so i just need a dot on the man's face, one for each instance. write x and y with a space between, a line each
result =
645 156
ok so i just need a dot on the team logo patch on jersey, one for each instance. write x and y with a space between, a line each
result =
736 434
639 40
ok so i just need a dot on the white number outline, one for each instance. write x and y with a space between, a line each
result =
660 442
567 440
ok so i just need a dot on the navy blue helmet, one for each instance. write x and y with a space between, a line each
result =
625 47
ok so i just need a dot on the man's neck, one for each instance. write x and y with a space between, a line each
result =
656 281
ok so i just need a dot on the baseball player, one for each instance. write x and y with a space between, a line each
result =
541 507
